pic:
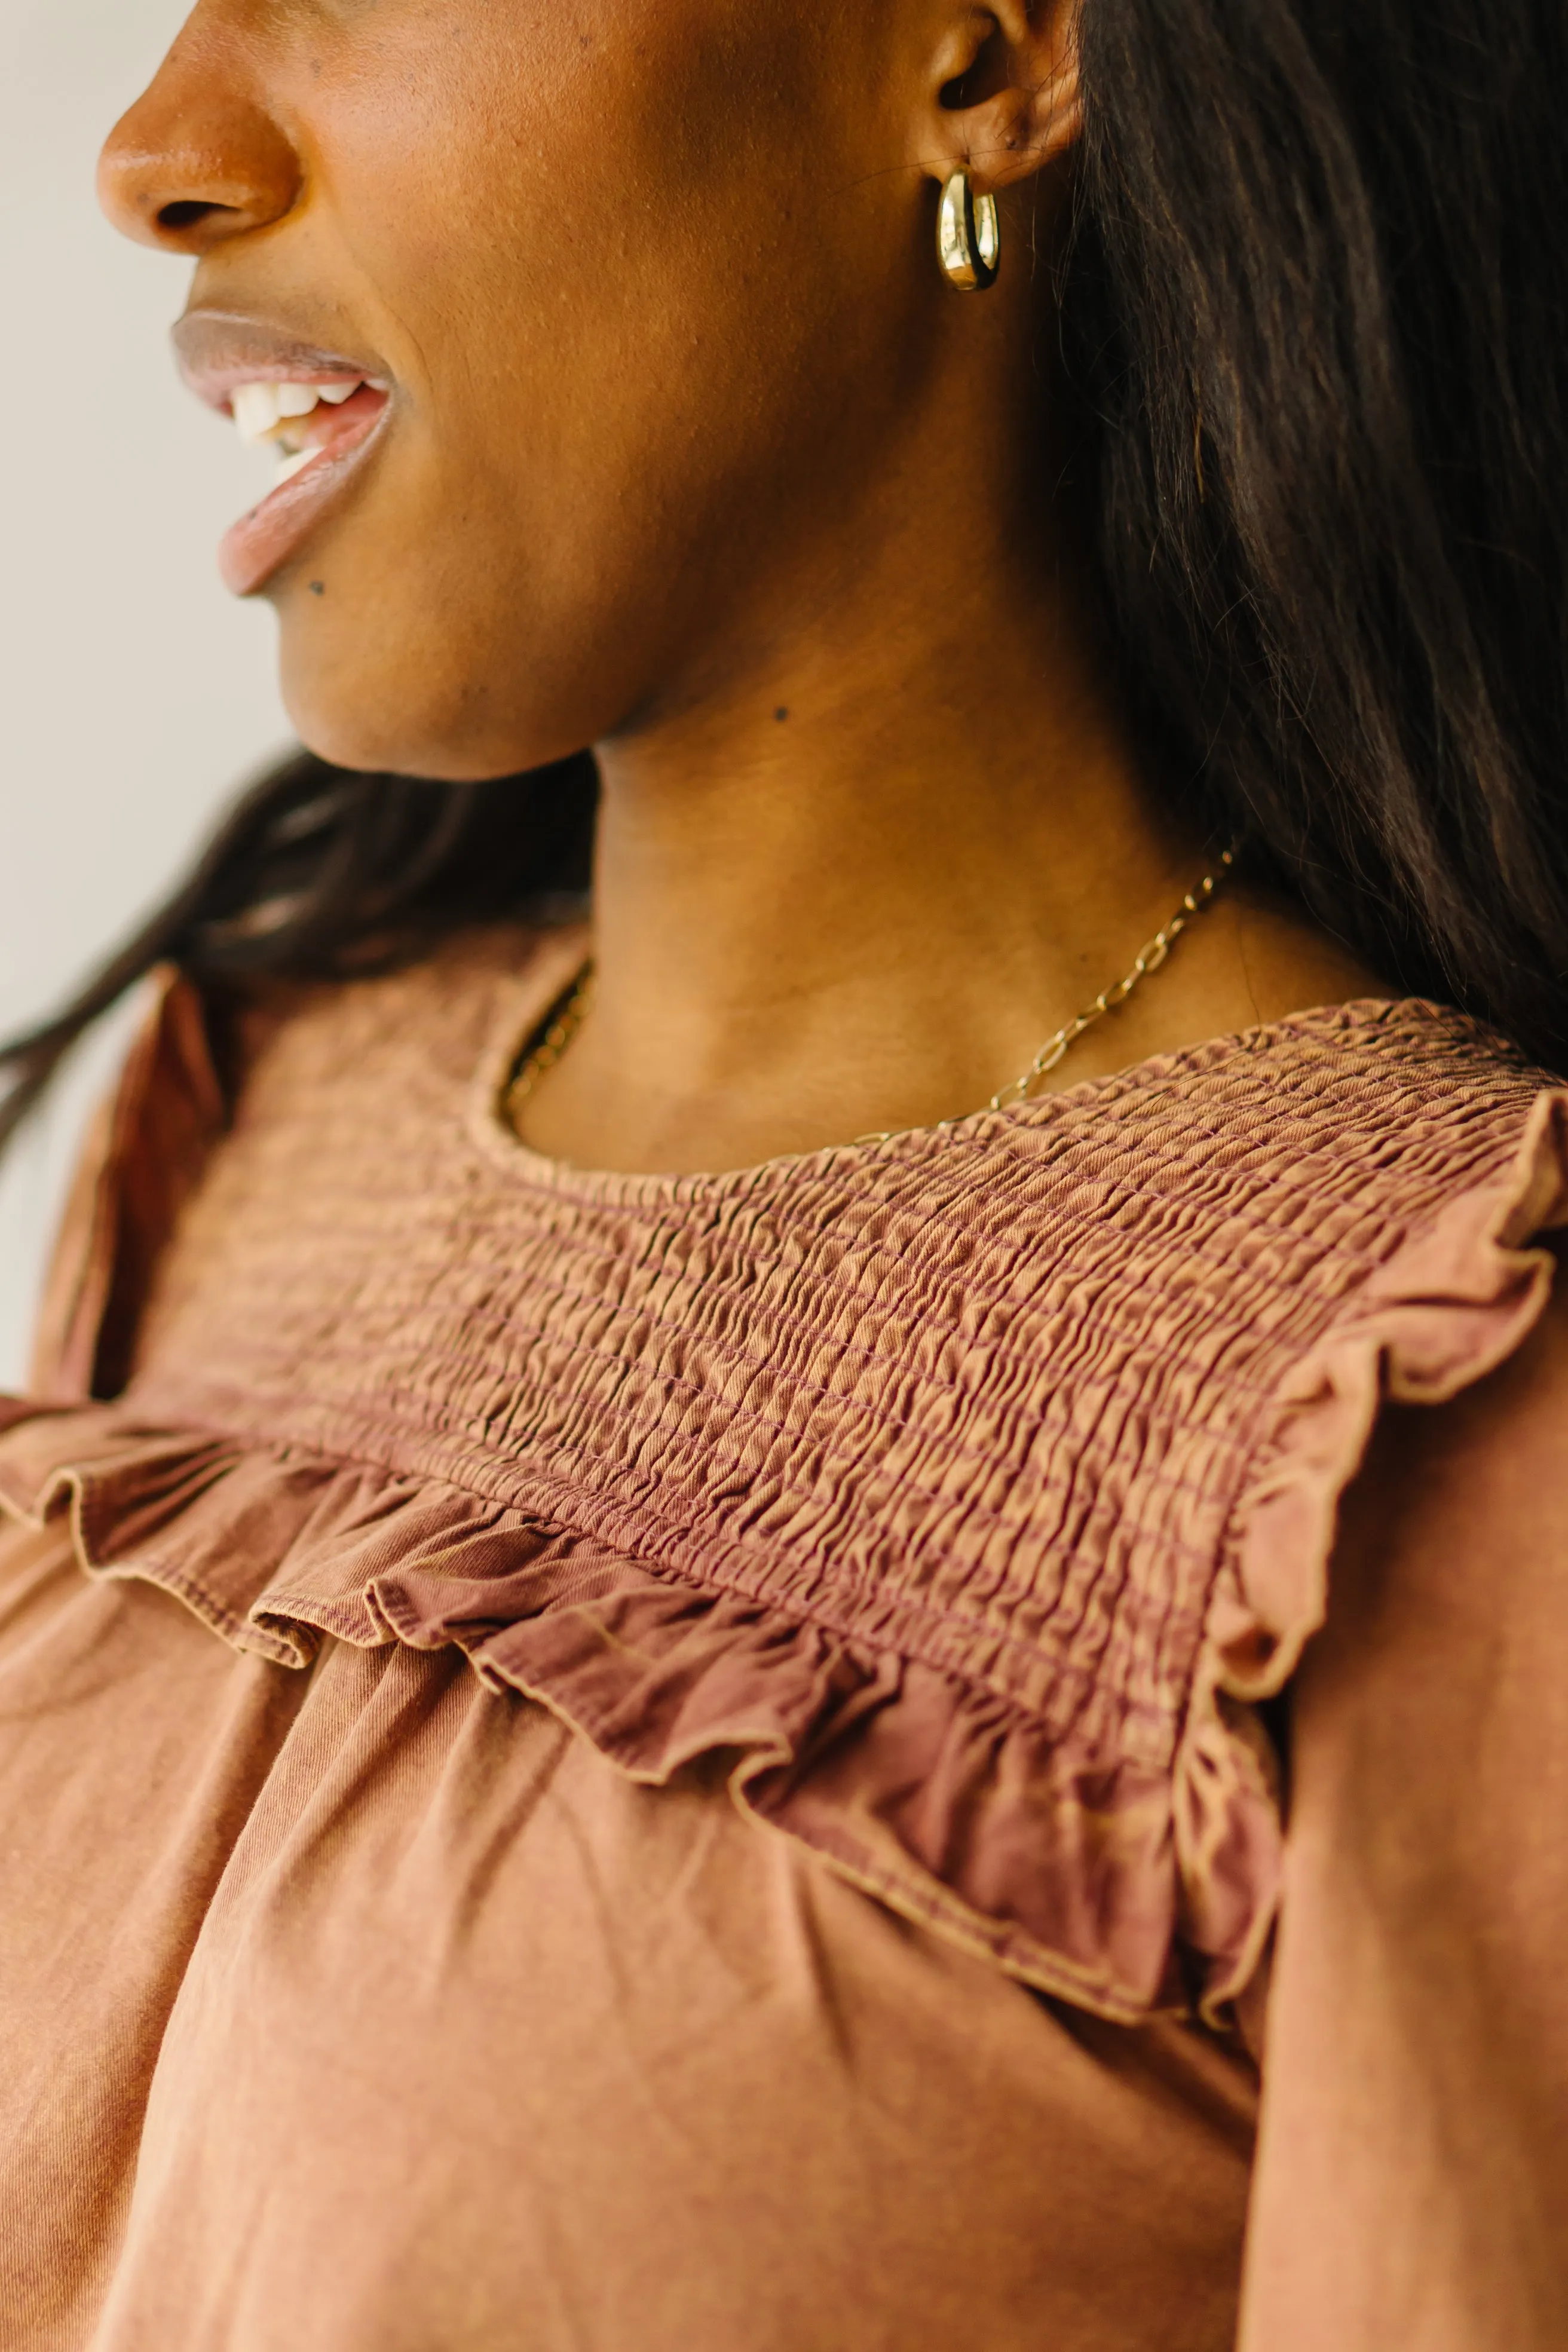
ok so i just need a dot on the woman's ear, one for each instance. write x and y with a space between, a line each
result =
1004 90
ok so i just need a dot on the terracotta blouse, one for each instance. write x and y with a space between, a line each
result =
623 1764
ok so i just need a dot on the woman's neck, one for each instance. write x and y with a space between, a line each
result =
869 860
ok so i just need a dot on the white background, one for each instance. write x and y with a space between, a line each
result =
135 696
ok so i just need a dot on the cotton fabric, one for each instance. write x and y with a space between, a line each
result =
594 1760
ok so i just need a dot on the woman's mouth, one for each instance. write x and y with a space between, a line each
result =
320 430
321 411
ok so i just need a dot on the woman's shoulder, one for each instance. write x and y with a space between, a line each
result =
1453 1540
1417 2041
265 1071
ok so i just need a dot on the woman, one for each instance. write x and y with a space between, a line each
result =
700 1650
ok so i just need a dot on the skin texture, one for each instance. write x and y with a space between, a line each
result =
687 432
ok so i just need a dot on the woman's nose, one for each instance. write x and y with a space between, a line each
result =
198 159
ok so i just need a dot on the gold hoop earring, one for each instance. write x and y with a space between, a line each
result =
968 236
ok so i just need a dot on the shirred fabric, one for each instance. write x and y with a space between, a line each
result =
948 1501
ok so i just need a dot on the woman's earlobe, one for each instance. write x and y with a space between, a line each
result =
1009 102
1023 128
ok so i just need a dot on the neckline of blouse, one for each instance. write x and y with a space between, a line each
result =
559 955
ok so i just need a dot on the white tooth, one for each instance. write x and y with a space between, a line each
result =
295 399
336 392
256 408
291 465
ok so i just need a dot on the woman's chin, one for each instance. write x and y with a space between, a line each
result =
368 684
387 741
354 707
410 750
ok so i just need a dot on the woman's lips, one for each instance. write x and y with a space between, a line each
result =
322 411
334 439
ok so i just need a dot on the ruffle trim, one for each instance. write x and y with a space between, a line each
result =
1119 1888
1446 1309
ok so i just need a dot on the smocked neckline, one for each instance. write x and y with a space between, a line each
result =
537 988
965 1503
964 1492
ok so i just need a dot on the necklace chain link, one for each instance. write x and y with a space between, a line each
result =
565 1019
1147 961
569 1014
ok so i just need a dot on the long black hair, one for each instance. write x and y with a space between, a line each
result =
1313 319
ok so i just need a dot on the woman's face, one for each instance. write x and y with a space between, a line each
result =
637 292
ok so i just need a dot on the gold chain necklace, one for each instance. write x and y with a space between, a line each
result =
564 1018
567 1015
1149 959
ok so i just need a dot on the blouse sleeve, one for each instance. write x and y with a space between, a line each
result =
142 1158
1412 2184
